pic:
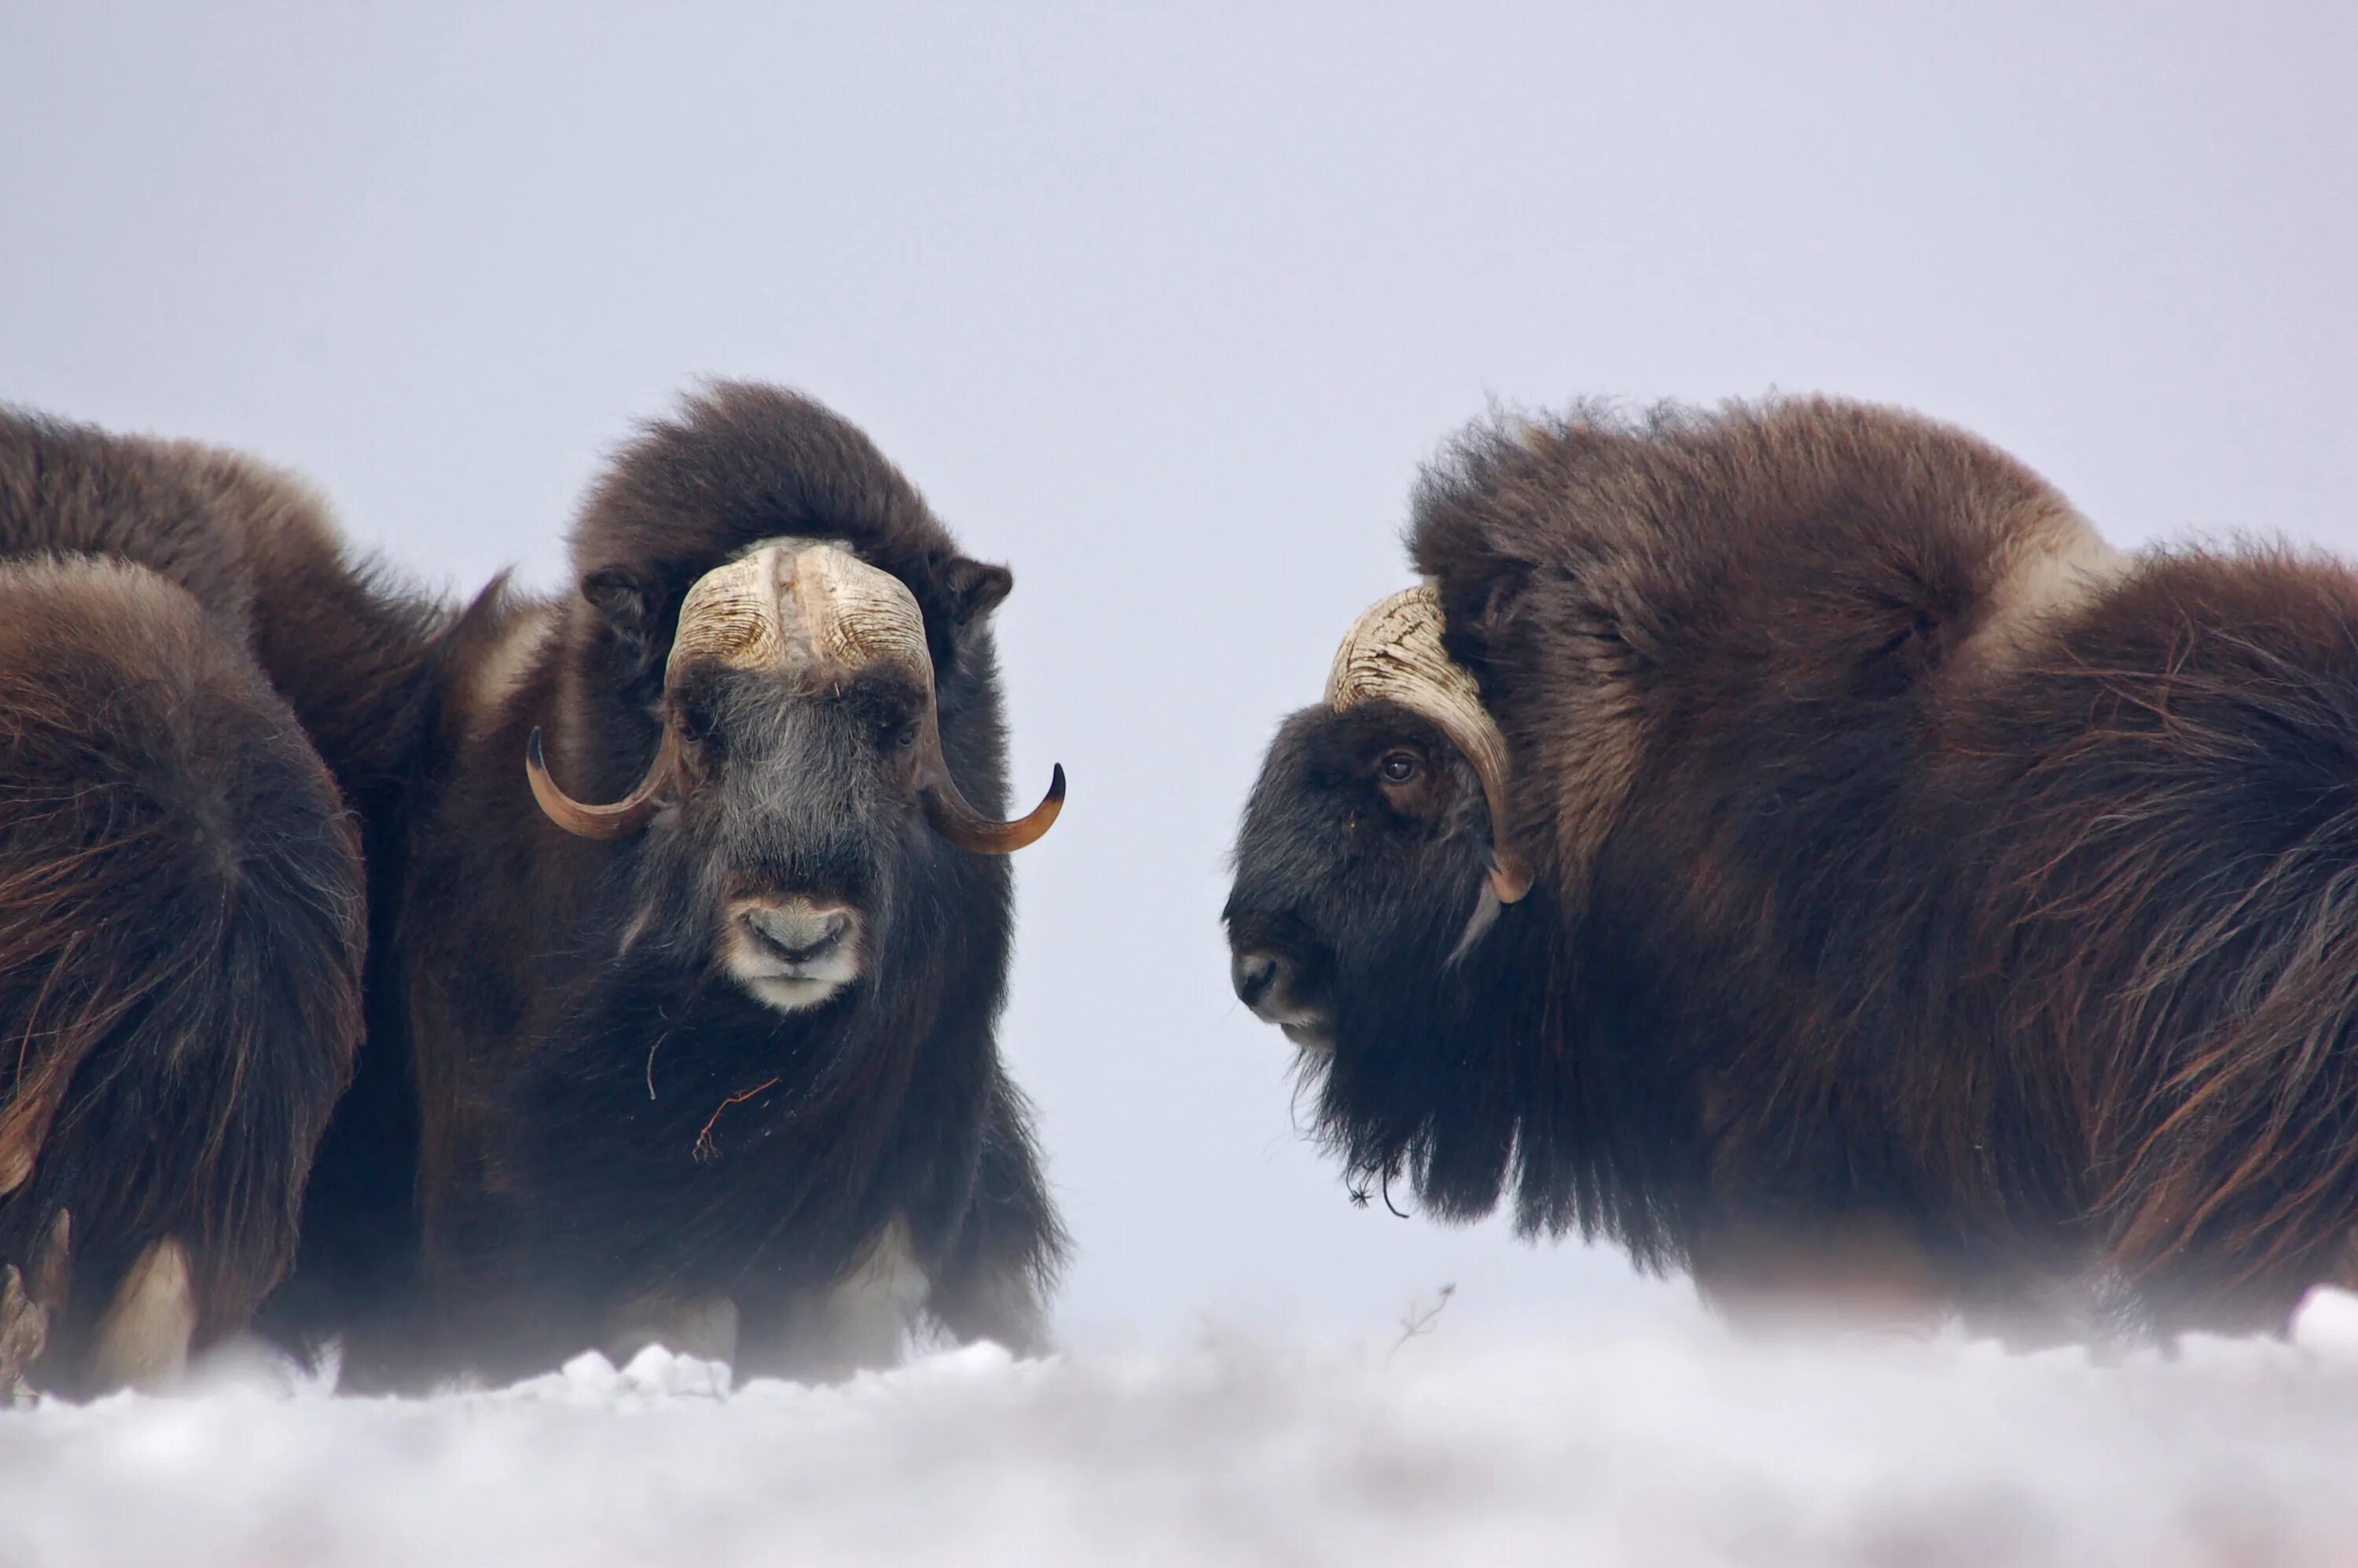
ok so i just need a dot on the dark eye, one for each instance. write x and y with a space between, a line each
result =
906 736
1399 767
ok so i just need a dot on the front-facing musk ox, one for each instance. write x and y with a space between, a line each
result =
704 932
181 926
1934 896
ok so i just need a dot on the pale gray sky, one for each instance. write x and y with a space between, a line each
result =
1163 307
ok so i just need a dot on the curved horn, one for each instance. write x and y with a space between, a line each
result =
731 616
968 828
1393 651
801 607
620 820
857 615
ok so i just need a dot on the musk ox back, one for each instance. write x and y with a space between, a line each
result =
1938 903
705 930
180 913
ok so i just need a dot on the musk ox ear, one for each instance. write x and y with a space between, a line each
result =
631 605
1478 609
970 590
974 589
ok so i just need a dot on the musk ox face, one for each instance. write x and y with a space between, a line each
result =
803 812
1368 919
1363 862
1366 814
799 774
1365 922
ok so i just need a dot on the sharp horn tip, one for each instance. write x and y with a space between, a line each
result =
1510 880
1057 785
531 750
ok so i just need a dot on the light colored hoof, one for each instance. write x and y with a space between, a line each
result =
24 1330
863 1322
26 1307
143 1340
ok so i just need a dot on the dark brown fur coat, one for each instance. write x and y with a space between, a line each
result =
1998 893
181 902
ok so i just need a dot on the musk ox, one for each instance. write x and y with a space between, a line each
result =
702 936
181 915
1930 898
1369 921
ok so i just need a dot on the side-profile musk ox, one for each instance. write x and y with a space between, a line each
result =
1371 921
181 915
1933 896
715 1064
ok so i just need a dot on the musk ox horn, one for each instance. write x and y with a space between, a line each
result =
857 615
730 617
808 610
1393 653
620 820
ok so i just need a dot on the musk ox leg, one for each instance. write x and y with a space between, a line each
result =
1001 1302
863 1321
701 1327
1848 1274
181 943
2024 1310
994 1282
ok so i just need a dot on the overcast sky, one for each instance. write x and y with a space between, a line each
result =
1163 307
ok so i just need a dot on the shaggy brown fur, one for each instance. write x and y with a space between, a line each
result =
605 1119
181 908
211 714
1996 892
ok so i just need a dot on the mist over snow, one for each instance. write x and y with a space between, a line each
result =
1661 1446
1163 307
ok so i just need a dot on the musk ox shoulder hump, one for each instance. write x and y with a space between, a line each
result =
68 489
744 462
1592 566
741 463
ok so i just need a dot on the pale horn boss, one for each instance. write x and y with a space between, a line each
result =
1393 654
813 615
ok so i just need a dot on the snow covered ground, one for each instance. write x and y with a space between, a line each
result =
1670 1445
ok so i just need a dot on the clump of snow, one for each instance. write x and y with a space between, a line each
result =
1676 1444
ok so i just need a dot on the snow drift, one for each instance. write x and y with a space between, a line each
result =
1667 1446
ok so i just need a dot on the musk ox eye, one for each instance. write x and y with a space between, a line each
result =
906 736
1399 767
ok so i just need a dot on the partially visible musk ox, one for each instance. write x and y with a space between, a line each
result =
182 903
704 934
1931 899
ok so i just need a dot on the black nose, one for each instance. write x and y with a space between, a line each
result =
798 932
1255 975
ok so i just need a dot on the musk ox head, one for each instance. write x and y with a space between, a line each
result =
1373 838
1366 921
800 769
